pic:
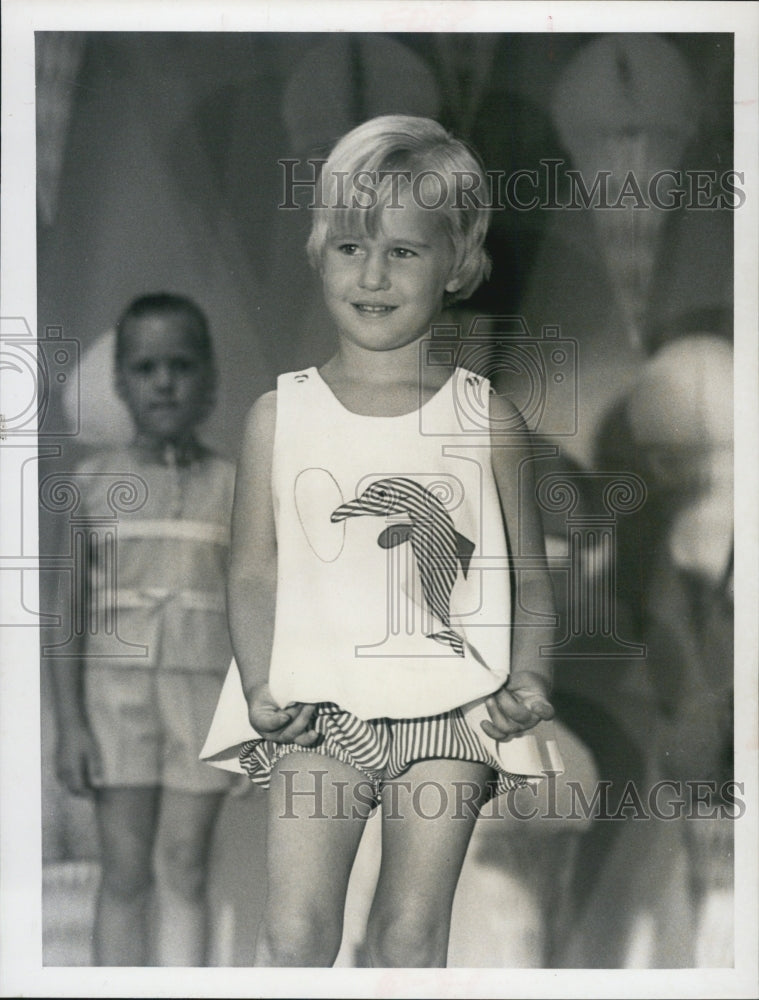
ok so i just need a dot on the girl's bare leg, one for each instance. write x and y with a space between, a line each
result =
422 855
317 811
183 843
126 822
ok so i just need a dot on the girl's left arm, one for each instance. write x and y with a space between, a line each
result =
524 700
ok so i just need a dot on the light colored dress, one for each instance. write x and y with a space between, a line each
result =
156 637
394 578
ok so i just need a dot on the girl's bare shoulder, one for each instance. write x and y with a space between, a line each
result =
261 417
506 415
264 407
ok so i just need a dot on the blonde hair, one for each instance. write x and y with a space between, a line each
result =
419 151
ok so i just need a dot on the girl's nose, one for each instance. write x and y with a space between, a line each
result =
163 376
374 274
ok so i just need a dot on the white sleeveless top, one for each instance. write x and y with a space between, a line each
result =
393 588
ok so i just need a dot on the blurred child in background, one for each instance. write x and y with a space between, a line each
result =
128 724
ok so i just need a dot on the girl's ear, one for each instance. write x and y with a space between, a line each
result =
455 282
456 277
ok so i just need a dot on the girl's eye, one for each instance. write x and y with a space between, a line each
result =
349 249
180 366
403 252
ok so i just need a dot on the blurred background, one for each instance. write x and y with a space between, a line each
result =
157 169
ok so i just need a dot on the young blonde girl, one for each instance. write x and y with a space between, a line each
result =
379 647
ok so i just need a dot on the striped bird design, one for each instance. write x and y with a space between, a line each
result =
438 548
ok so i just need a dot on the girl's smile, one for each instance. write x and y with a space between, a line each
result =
366 309
384 289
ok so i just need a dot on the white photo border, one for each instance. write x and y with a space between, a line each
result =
21 969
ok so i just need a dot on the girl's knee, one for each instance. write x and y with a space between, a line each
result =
304 938
405 939
125 880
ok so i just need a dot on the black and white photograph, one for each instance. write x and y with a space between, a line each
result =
444 683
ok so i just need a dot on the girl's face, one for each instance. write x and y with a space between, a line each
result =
384 291
163 378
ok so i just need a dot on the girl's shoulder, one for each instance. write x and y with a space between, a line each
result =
114 459
504 409
104 476
264 408
266 401
219 463
214 475
260 420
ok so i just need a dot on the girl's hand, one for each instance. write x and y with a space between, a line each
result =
518 706
78 760
291 724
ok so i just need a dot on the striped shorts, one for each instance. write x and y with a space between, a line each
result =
382 749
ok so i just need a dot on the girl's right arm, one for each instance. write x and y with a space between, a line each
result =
77 760
252 582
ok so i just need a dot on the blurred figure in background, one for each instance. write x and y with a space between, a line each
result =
632 117
129 726
618 284
680 415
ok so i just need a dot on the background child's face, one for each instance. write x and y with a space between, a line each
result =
383 291
163 378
